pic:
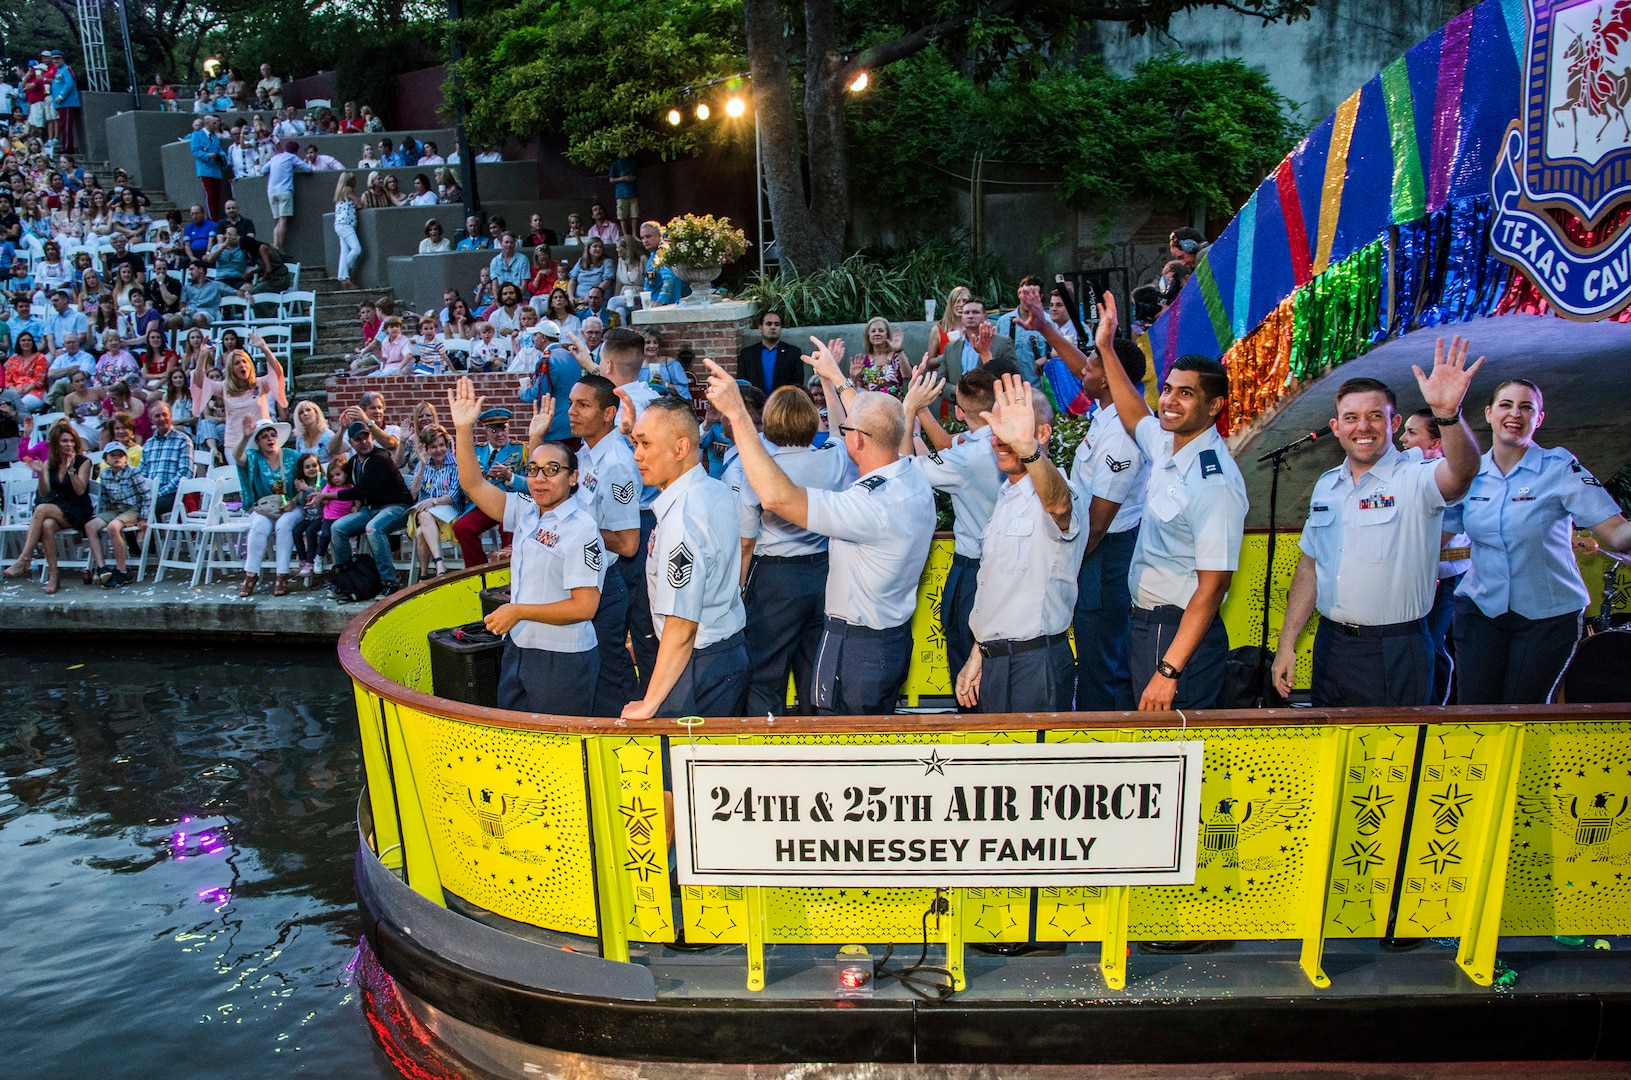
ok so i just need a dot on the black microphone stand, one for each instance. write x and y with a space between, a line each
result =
1277 460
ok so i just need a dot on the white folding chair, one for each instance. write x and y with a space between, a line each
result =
145 247
18 508
300 309
280 339
149 515
181 538
203 462
271 304
225 532
235 311
221 472
294 275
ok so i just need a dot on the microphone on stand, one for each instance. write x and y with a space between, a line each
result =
1312 436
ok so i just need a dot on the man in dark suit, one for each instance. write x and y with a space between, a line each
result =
771 362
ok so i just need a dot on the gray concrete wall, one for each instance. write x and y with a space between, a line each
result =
179 175
136 141
397 232
508 181
95 111
1317 62
420 280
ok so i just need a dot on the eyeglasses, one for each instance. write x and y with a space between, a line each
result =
845 429
548 468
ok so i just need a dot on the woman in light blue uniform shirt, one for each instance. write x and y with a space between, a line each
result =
1517 611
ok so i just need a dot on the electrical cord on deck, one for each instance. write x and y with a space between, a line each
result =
931 984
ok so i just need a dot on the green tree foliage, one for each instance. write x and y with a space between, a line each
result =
1181 133
601 74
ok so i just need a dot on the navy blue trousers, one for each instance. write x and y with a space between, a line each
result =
785 601
1035 680
859 671
1438 631
956 602
1102 625
642 634
540 681
714 682
1510 660
1200 684
1393 668
617 685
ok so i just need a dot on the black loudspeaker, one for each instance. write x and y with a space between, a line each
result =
492 598
464 664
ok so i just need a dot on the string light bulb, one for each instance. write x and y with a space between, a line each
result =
735 107
860 83
674 117
702 110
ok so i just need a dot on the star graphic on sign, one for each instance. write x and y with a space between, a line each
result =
1431 913
1364 856
639 819
994 919
632 757
643 863
934 763
1353 914
1372 807
1070 919
1441 854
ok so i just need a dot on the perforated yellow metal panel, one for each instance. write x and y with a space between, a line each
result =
1376 787
928 674
838 916
1242 608
634 771
396 644
1570 868
507 812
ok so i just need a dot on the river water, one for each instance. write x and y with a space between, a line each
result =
176 833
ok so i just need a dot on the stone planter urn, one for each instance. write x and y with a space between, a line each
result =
701 280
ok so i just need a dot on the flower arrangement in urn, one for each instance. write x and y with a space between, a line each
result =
698 246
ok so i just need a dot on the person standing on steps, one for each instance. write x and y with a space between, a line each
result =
209 162
346 202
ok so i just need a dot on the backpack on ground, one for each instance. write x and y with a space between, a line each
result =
357 579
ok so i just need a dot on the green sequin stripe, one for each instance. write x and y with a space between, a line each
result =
1409 196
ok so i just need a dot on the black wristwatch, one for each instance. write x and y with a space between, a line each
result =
1036 455
1450 421
1167 670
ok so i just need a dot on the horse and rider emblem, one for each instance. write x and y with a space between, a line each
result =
1569 149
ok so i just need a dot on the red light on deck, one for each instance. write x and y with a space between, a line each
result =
853 978
853 972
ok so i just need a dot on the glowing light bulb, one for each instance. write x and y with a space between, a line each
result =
860 83
735 107
702 111
674 117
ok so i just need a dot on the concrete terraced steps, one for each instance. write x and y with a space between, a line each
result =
337 332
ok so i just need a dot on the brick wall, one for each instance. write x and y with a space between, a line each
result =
403 392
719 341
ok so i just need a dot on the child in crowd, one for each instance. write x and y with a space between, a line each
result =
123 499
490 352
211 427
312 536
528 356
121 431
393 349
308 481
429 358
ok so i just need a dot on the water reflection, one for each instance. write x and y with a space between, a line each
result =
176 834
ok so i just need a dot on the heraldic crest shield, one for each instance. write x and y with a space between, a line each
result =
1570 150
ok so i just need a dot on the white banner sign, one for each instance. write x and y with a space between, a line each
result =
937 815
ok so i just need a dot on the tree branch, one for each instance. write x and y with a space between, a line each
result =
895 49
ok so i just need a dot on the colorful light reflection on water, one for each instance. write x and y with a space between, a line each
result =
176 835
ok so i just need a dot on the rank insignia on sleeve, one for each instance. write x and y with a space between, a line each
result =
680 564
1120 466
591 555
871 483
623 493
1209 463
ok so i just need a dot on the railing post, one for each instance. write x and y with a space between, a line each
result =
757 926
1487 885
1113 945
954 939
376 769
418 857
1317 893
612 918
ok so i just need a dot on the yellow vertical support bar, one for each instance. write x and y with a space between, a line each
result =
758 923
1113 946
418 857
1487 885
1317 886
381 784
954 939
604 794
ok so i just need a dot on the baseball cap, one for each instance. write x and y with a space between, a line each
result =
356 429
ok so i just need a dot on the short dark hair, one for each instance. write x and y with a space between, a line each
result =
1214 376
1189 240
973 300
976 390
1132 359
1428 420
1367 386
758 322
1030 279
605 390
754 399
620 341
999 368
1504 383
680 412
